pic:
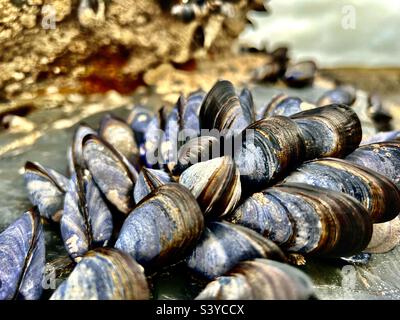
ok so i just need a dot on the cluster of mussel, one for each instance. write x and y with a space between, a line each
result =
296 185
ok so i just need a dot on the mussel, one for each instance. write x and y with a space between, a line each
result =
215 184
382 157
300 74
223 245
340 95
75 151
46 189
330 131
112 172
139 119
283 105
260 279
104 274
382 137
87 221
22 258
162 227
181 124
223 110
148 181
377 193
120 135
270 147
307 220
196 150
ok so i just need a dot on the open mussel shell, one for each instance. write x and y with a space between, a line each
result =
223 110
300 74
120 135
215 184
46 189
260 279
382 157
148 181
307 220
111 171
75 151
223 245
87 222
196 150
330 131
377 193
283 105
340 95
162 227
104 274
22 258
270 147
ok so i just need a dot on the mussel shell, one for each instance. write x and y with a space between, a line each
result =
22 258
196 150
223 245
270 147
148 181
75 151
111 171
153 138
385 237
300 75
87 221
215 184
283 105
378 113
378 194
247 103
382 157
340 95
120 135
307 220
162 227
260 279
191 112
139 119
104 274
330 131
268 72
222 110
46 189
382 137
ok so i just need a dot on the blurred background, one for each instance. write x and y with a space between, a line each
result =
356 33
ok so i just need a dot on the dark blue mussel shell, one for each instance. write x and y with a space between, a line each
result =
22 258
223 245
46 189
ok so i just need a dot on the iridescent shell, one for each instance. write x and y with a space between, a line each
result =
223 245
22 258
307 220
162 227
260 279
104 274
378 194
46 189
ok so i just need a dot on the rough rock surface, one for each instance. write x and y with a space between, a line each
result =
119 39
